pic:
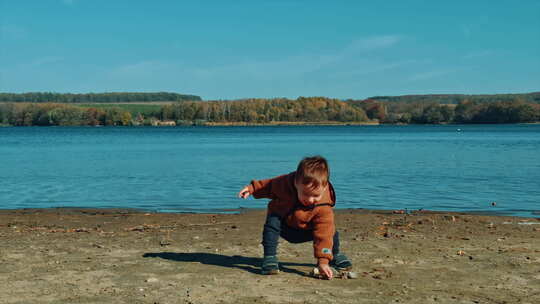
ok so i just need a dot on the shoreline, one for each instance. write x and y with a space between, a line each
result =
534 214
282 124
290 123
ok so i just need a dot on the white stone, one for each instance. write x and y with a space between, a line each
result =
352 275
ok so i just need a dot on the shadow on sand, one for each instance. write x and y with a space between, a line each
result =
249 264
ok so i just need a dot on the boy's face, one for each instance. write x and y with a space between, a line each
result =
308 196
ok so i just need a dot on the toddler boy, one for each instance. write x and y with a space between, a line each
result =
300 210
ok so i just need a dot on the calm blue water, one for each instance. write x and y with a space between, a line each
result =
456 168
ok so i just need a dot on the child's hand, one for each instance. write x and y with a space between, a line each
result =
244 193
326 271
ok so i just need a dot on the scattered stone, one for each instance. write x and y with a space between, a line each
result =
352 275
450 218
78 230
315 273
336 273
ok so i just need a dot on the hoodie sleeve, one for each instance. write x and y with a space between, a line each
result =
323 235
268 188
261 188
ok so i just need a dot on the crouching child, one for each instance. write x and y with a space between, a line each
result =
300 210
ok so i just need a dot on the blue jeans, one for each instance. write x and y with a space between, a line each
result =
276 227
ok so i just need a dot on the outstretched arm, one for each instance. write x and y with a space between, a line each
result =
262 188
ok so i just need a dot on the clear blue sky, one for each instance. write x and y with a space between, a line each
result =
235 49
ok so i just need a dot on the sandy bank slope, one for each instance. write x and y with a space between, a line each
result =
119 256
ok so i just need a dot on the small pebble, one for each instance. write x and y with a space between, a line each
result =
352 275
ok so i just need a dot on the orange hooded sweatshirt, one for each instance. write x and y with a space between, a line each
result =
284 202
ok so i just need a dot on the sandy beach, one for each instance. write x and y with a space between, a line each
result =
128 256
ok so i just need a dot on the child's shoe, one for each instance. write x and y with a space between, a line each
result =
270 265
341 262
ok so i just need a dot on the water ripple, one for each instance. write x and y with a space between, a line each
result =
201 169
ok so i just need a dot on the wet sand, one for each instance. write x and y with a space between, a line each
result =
127 256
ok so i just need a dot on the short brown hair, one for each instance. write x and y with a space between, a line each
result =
313 172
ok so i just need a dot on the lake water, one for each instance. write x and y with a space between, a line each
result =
200 169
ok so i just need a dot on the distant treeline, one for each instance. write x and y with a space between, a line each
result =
315 109
95 97
465 112
55 114
269 111
303 109
457 98
321 109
